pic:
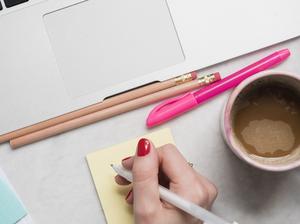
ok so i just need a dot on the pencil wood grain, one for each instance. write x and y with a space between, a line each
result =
105 113
127 96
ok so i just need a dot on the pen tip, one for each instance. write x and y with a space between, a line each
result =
113 167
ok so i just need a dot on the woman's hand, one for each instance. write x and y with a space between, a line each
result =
165 166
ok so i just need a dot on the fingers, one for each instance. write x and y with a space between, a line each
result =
121 181
184 180
211 189
176 174
129 197
145 181
127 163
174 165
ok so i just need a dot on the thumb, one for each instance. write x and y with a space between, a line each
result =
145 179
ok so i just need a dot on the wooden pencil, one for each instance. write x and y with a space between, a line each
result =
112 111
127 96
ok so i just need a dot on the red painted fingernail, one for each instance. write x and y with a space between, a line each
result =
129 193
126 158
143 147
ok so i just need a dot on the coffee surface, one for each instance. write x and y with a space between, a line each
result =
267 120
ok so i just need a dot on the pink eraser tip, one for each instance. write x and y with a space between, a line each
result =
194 75
217 76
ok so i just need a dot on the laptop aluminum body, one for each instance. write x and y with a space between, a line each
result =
61 55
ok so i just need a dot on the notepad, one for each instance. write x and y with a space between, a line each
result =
11 208
111 195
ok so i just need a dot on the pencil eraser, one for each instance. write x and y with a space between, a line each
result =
194 75
217 76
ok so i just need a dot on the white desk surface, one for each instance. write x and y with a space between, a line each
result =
54 182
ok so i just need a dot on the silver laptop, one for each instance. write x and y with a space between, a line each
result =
60 55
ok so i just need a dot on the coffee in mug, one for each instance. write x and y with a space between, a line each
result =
261 121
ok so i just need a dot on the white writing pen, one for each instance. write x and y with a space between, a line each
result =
172 198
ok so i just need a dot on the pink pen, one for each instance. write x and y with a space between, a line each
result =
177 106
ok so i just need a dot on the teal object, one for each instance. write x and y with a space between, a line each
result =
11 208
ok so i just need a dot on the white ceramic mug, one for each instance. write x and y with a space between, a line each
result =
277 164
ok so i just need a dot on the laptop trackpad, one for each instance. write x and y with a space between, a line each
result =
100 43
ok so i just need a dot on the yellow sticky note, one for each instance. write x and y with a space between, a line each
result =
111 195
